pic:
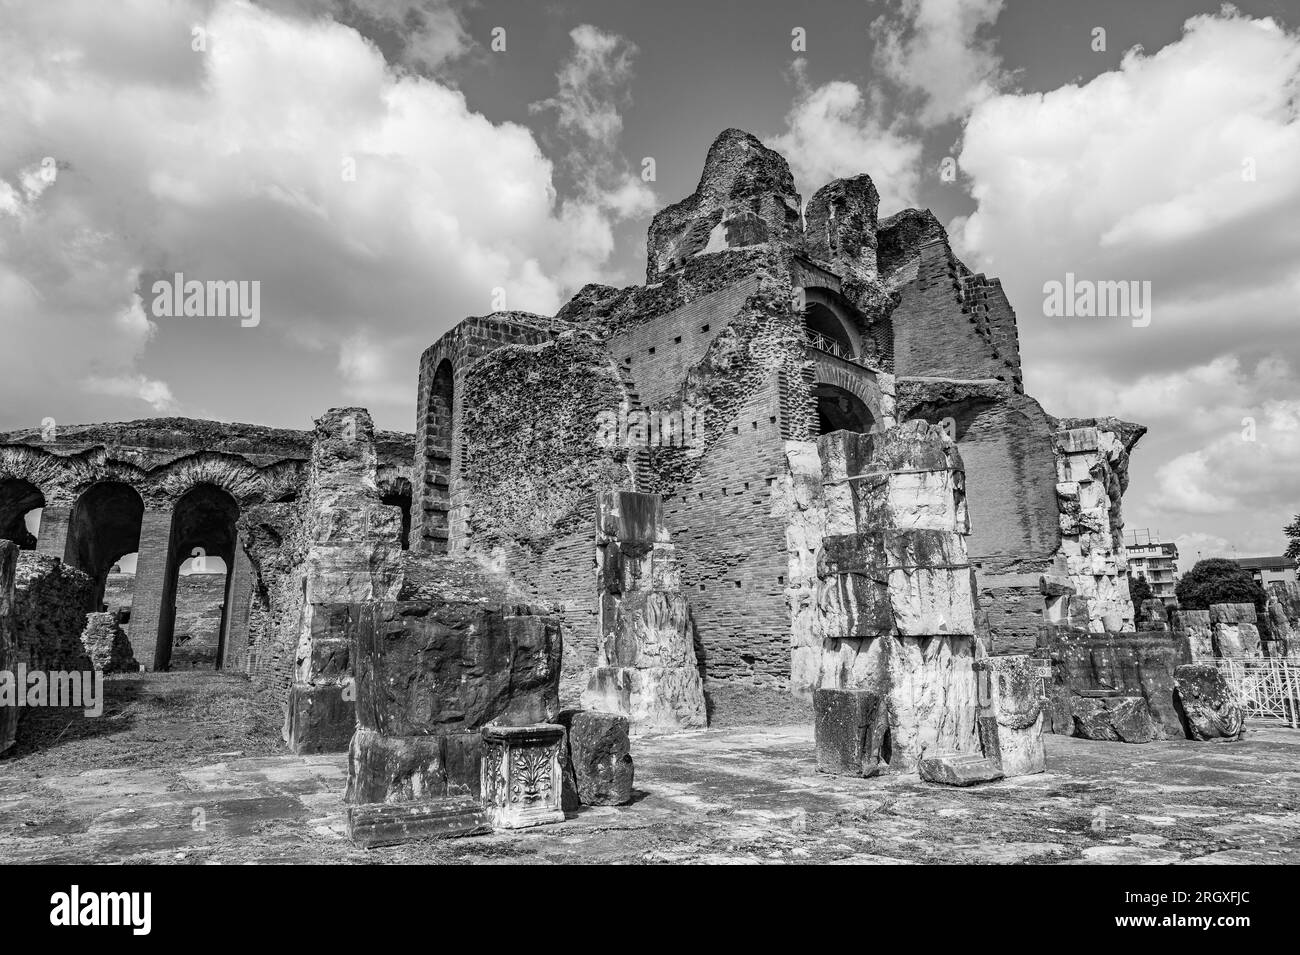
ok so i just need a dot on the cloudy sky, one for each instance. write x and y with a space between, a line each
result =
385 167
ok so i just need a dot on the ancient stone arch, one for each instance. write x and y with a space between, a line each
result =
826 314
103 527
18 498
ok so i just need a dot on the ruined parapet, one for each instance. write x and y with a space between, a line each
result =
8 639
1115 685
645 663
459 650
350 549
107 645
746 197
1092 474
880 584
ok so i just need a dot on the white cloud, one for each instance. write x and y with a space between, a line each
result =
156 394
230 164
835 131
935 49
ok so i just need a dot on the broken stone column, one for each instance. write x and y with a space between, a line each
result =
1236 630
1210 709
881 595
459 650
350 549
8 639
1092 472
1011 712
645 662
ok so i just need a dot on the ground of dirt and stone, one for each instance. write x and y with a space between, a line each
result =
186 768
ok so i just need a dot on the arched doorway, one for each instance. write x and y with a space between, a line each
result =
196 588
825 325
104 527
438 439
20 512
841 410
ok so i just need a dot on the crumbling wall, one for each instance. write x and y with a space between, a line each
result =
197 633
50 603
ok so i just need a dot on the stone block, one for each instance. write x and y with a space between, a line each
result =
1199 631
1120 719
851 731
652 698
630 516
597 757
645 628
433 667
106 645
521 780
319 719
1011 713
958 769
1210 709
373 825
395 769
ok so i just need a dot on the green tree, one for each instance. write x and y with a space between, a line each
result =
1292 531
1139 590
1218 581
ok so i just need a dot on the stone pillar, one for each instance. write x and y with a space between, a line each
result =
8 639
1091 474
881 594
1011 712
353 546
52 535
153 600
645 662
239 595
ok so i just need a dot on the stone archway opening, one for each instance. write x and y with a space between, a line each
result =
826 329
196 587
438 458
21 503
398 495
841 410
103 528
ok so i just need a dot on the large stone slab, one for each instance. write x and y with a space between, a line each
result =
851 732
1211 711
652 698
597 757
1236 630
1118 719
958 769
319 719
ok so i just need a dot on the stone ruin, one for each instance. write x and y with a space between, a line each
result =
812 467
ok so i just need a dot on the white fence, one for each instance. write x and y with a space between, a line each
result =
1269 689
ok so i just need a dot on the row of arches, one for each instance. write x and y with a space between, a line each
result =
103 532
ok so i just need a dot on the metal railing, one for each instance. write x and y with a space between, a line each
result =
829 345
1269 688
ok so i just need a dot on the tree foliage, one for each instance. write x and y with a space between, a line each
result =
1218 581
1292 531
1139 590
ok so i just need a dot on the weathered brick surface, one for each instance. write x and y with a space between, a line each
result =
50 604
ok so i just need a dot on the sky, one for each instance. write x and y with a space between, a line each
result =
384 168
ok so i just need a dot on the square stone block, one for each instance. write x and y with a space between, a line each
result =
319 719
521 779
849 729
